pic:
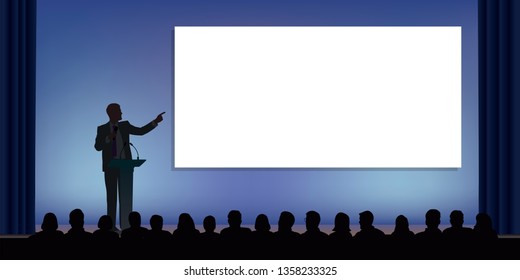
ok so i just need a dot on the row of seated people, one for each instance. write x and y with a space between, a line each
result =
186 241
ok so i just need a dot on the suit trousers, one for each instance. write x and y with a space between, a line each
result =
119 182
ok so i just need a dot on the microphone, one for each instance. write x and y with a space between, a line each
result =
135 150
119 155
115 131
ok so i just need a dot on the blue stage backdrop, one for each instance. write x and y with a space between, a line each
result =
92 52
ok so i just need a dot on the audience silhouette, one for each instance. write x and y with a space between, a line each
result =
156 234
104 233
235 237
209 239
262 236
135 232
367 232
483 229
314 239
210 224
400 240
186 230
106 241
429 241
238 242
185 236
49 238
49 230
340 238
457 239
78 240
341 231
485 237
457 232
432 233
262 230
402 230
286 241
313 232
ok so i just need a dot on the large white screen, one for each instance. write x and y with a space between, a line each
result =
317 97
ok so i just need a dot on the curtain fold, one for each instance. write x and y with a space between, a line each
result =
499 113
17 109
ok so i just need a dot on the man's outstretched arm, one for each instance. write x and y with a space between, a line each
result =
147 128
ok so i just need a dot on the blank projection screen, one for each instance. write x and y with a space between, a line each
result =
317 97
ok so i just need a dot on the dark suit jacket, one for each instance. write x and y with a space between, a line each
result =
125 128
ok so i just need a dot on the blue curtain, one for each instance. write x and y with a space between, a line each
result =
17 101
499 113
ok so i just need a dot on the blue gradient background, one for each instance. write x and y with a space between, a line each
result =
91 53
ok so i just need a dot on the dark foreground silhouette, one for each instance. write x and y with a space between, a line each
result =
260 243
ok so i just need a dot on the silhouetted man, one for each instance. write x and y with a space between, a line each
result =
313 240
235 237
367 230
457 232
313 233
209 239
157 234
113 139
135 233
77 231
432 231
286 240
79 241
235 229
429 241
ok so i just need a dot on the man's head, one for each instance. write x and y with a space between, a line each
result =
433 218
156 222
209 223
134 218
114 112
286 220
366 218
76 218
312 220
456 218
234 218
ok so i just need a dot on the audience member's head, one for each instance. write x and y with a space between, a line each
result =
366 219
105 223
209 223
341 222
286 221
156 222
433 218
456 218
134 219
483 229
483 222
262 223
76 219
186 222
234 218
401 224
50 222
312 220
